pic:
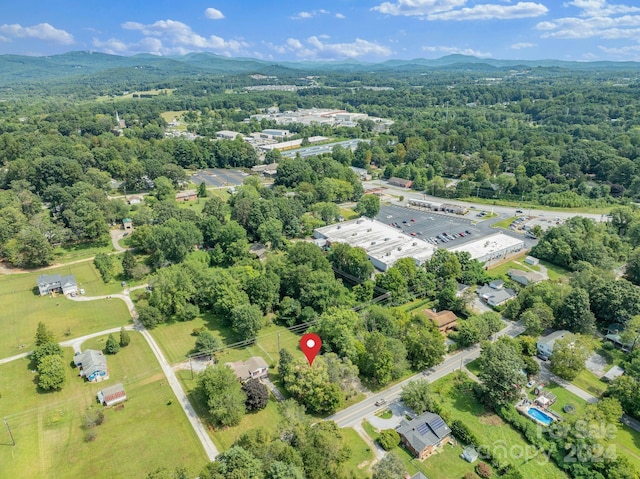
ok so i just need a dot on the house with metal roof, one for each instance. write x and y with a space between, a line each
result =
112 395
424 434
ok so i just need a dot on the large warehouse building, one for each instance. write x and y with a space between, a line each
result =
383 244
492 247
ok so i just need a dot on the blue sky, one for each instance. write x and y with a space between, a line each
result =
372 30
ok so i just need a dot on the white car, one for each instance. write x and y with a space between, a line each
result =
530 384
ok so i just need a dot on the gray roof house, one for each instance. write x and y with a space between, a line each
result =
253 368
495 294
419 475
92 364
545 343
48 283
525 278
424 434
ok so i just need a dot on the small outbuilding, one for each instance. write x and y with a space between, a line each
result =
469 454
112 395
401 182
613 373
127 224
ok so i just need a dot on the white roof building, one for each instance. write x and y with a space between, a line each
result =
227 134
491 247
383 244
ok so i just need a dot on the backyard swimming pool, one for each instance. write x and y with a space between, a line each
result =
539 416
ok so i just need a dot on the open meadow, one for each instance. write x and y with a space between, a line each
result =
148 431
22 308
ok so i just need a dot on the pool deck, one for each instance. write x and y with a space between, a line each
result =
523 408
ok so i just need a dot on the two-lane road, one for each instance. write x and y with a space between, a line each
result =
354 415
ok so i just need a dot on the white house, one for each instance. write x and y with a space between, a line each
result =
545 344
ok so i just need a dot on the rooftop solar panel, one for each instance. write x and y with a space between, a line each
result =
423 429
437 423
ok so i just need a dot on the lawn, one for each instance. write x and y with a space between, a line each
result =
361 455
555 272
514 263
474 366
176 341
504 223
74 252
492 431
22 309
528 205
587 381
348 214
48 426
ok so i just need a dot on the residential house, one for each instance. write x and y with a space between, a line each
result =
361 172
418 475
187 195
525 278
495 294
127 224
135 200
545 344
253 368
424 434
444 320
401 182
92 364
258 249
48 283
112 395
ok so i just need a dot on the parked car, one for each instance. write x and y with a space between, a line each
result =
468 232
519 211
530 384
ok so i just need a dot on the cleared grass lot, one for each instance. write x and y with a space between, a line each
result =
23 307
150 431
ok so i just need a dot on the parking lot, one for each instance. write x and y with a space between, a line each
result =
218 177
427 224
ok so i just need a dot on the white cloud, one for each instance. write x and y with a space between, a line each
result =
456 51
213 14
520 46
180 37
489 12
340 16
596 19
112 46
451 10
316 48
311 14
42 31
420 8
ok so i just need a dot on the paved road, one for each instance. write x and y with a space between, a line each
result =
115 236
505 211
354 415
196 423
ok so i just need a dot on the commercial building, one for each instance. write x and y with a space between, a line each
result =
496 246
383 244
227 135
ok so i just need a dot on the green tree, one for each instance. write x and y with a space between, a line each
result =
202 190
569 355
206 342
501 372
105 264
44 350
369 206
575 314
51 373
125 338
353 261
425 346
632 270
376 362
270 233
222 393
149 316
236 463
29 249
283 470
388 439
390 467
111 346
43 335
257 395
128 264
418 396
246 320
164 189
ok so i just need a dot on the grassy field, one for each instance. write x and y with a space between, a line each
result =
74 252
515 263
504 223
168 91
171 115
176 341
492 431
348 214
22 309
48 427
587 381
528 205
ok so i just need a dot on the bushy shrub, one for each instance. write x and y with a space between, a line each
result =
484 470
389 439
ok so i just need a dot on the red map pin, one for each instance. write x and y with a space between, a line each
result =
310 345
